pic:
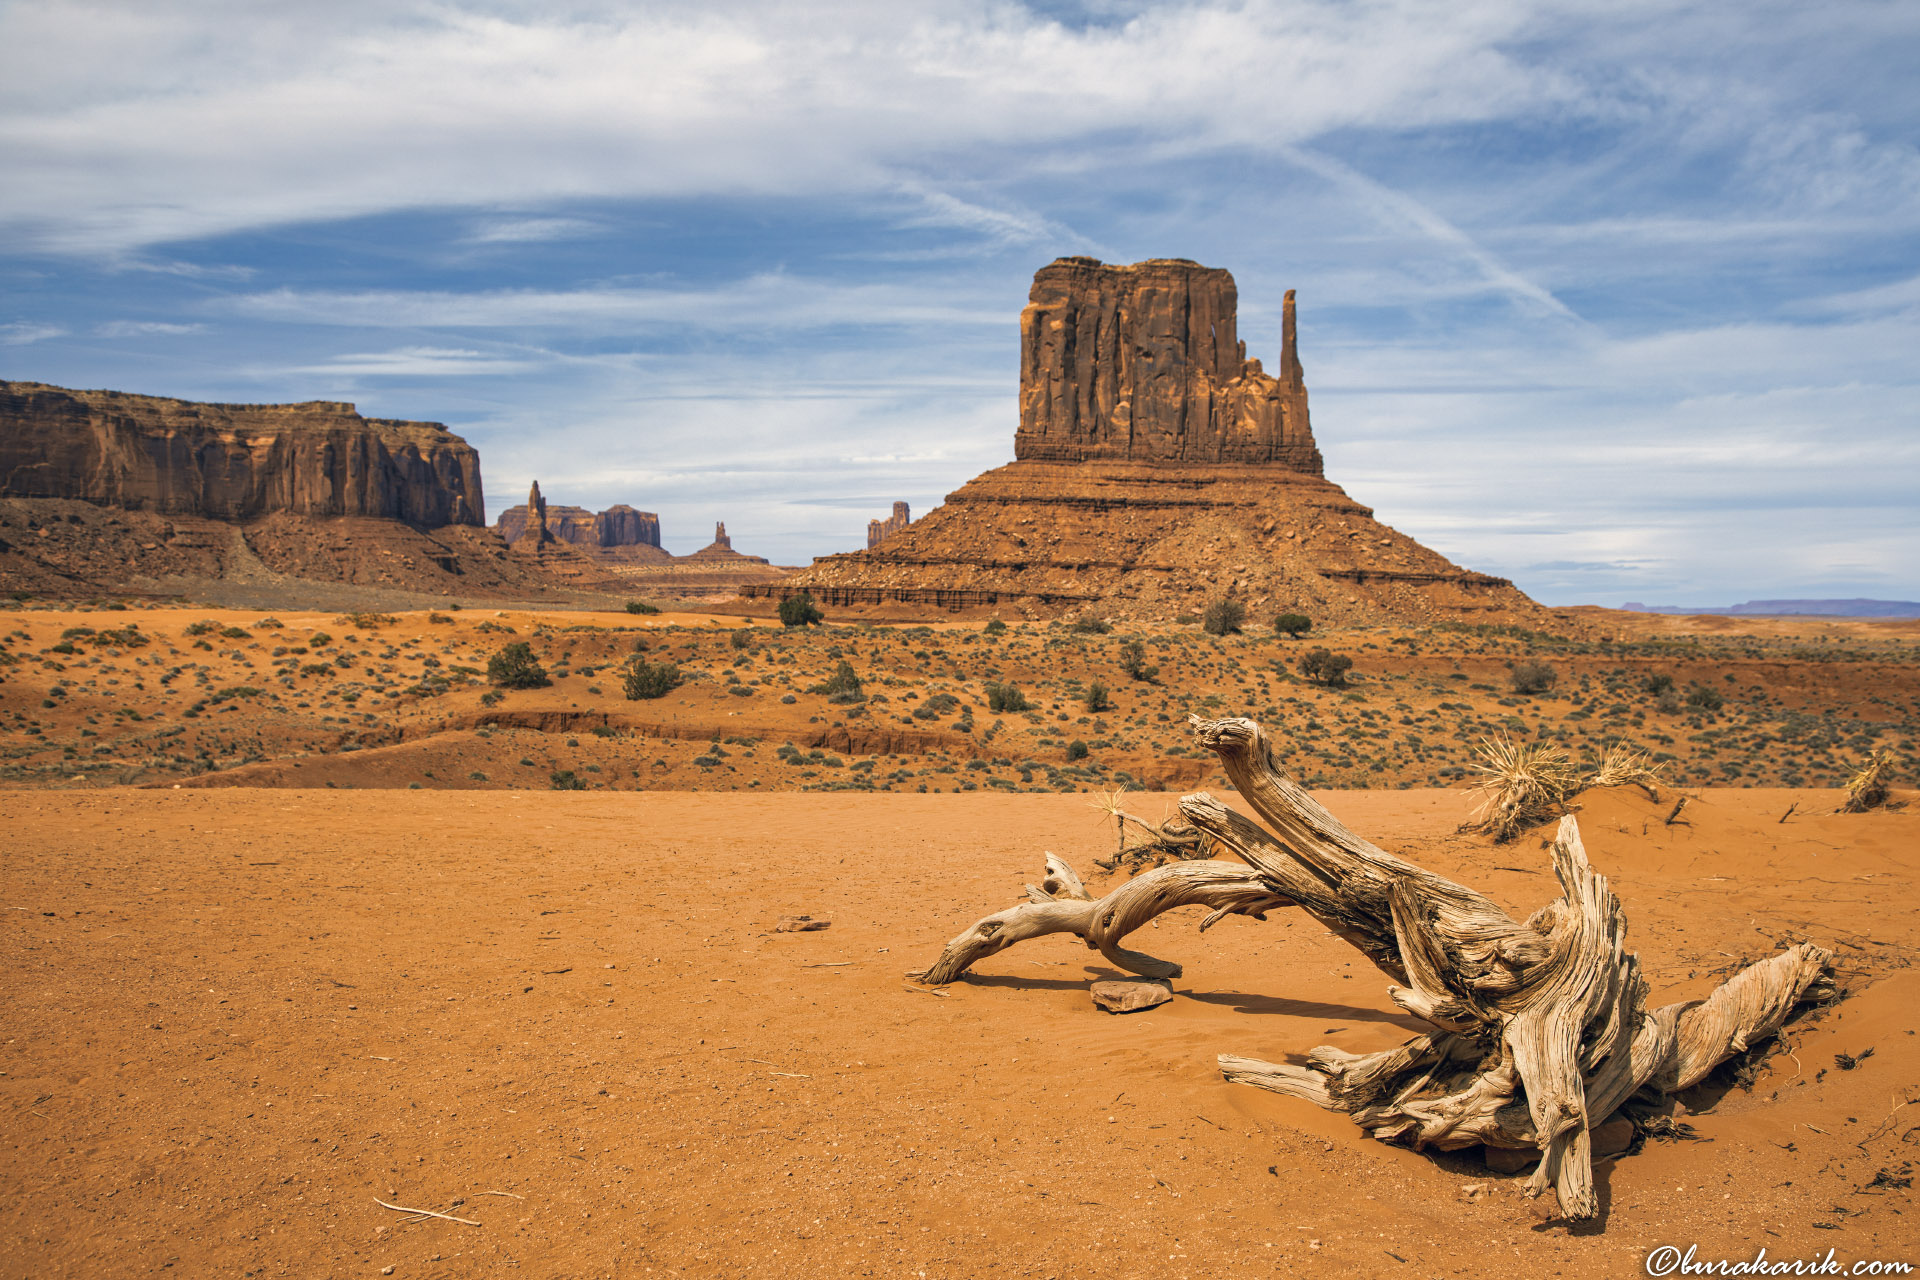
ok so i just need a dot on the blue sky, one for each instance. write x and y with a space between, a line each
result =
1619 300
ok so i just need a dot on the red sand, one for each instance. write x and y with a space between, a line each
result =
237 1018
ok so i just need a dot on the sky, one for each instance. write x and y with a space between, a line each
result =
1619 300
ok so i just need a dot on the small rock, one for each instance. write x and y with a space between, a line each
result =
1128 995
800 924
1611 1138
1510 1159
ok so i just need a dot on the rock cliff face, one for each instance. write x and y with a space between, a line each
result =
618 526
232 462
1157 469
878 531
1144 363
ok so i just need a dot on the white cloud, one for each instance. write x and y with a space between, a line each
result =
416 362
126 124
20 333
144 328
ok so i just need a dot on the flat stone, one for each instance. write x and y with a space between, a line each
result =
800 924
1130 995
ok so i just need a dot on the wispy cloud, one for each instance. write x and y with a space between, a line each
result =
145 328
20 333
417 362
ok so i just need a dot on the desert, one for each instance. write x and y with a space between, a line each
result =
1037 639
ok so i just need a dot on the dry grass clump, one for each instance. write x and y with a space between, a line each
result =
1152 844
1525 784
1867 788
1623 765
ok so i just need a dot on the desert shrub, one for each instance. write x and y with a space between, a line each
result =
1533 677
1705 697
641 606
1623 764
800 611
741 638
440 619
1091 627
366 621
1658 683
1524 785
236 633
1224 617
268 623
76 633
1293 624
64 646
514 668
489 699
1005 697
996 628
842 686
1133 661
646 680
1096 698
204 627
565 780
317 669
1186 620
935 707
1867 787
128 637
1076 750
1668 701
319 638
1325 667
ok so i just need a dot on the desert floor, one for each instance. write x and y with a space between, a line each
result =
203 697
237 1018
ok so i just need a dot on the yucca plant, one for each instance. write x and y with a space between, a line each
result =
1867 788
1525 784
1623 765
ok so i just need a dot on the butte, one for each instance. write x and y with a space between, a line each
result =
1157 468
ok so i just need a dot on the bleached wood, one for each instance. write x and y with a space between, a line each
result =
1540 1027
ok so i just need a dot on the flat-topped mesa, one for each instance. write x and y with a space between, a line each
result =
234 462
1144 363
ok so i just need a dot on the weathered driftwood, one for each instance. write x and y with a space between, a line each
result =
1541 1029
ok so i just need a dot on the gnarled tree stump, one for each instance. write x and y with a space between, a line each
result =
1541 1027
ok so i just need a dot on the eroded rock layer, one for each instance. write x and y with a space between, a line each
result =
1157 469
1145 363
232 462
1127 539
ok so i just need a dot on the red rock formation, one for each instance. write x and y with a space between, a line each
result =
232 461
1144 363
617 528
1157 469
878 531
622 526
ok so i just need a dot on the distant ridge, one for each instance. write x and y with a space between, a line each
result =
1821 608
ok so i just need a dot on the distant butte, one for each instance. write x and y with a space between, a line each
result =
1157 467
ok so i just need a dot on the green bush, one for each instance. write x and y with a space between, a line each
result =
1133 661
645 680
935 707
1096 698
741 638
237 633
1705 697
1005 697
1324 667
1076 750
1658 683
1091 627
842 686
1223 617
641 606
1533 677
996 628
1293 624
564 780
514 668
204 627
800 611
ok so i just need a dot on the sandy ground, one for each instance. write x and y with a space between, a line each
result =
236 1019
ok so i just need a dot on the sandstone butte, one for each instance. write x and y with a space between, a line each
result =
232 461
1157 468
106 490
